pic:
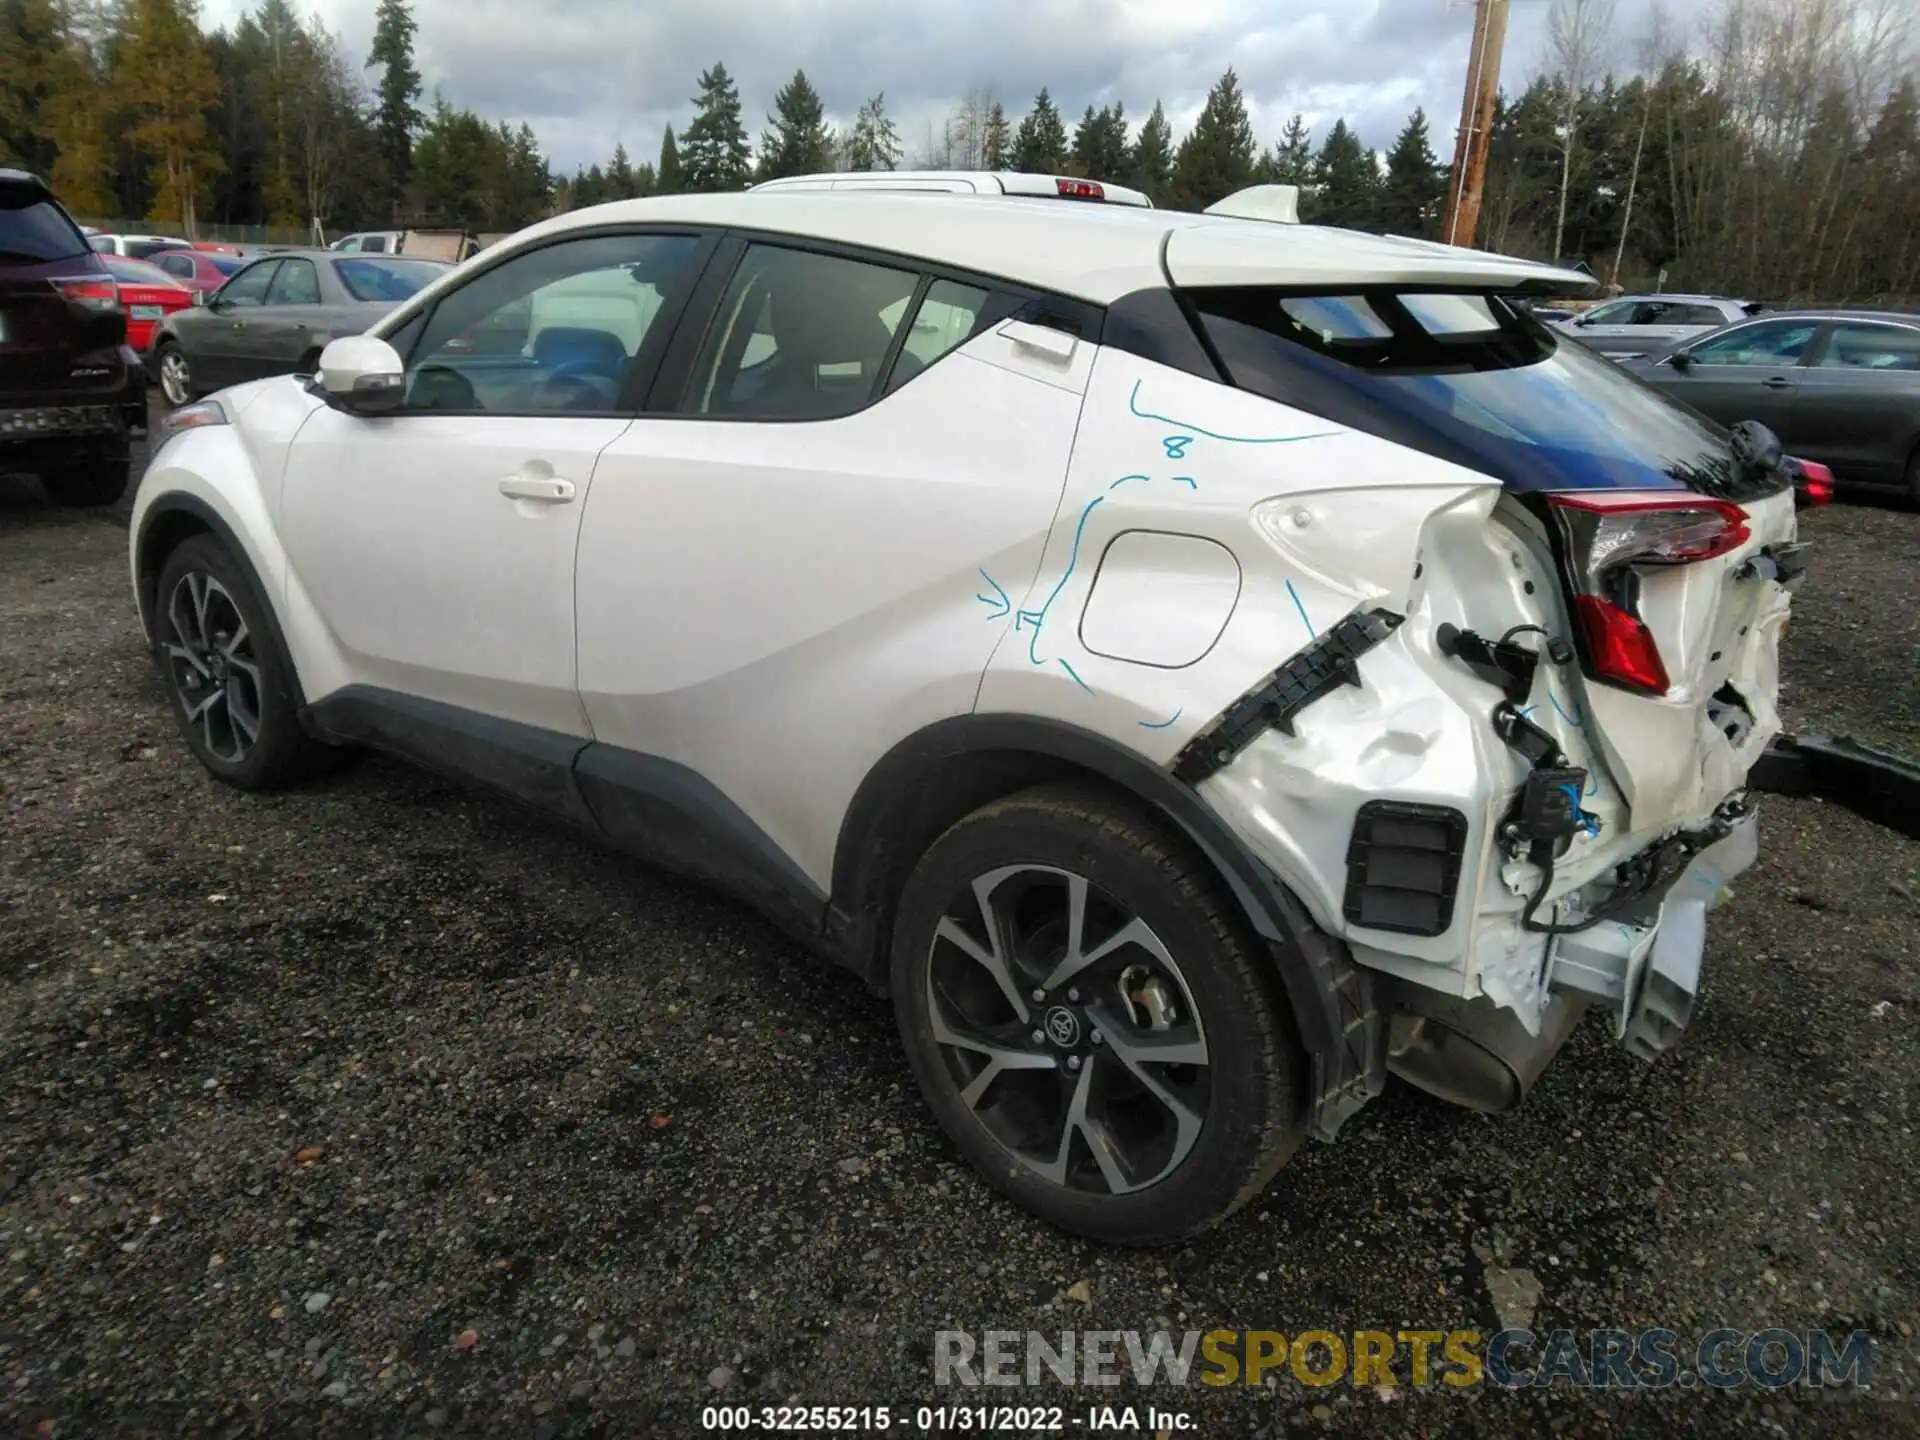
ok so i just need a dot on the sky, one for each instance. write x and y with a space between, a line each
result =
587 73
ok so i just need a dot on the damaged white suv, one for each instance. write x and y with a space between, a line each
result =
1194 665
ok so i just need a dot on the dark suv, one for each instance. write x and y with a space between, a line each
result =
70 388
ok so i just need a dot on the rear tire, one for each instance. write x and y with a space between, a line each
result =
231 683
176 375
1042 1067
1913 478
99 478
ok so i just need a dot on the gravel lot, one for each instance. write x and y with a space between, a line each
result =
382 1108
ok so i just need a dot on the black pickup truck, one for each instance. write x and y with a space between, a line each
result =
71 389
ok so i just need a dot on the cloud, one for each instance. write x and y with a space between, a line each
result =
587 73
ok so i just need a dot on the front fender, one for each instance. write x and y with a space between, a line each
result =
225 480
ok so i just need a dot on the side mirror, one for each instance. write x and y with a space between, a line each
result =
362 374
1681 360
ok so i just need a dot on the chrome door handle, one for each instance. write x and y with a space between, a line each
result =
542 489
1777 382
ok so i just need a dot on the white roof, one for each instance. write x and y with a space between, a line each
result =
984 182
1088 251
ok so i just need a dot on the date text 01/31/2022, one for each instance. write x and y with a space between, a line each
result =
942 1419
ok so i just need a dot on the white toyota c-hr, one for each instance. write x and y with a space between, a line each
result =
1193 665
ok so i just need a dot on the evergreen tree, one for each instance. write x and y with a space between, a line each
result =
396 116
798 142
996 150
1347 180
1416 186
1216 159
1100 144
714 152
620 180
1290 161
670 178
873 144
1153 156
1040 144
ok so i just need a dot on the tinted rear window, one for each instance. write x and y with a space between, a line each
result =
394 280
1465 378
33 230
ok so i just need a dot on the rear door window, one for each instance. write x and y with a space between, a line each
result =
799 336
1872 347
296 284
1464 378
33 230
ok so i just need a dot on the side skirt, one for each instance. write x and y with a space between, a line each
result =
655 809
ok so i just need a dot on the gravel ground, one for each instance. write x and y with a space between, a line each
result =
382 1108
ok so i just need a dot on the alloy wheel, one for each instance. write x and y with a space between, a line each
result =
1068 1030
212 666
176 380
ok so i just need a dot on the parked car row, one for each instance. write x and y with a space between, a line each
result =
1840 387
1635 325
274 316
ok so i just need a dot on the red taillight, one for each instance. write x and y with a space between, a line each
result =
92 292
1606 539
1080 189
1619 646
1816 483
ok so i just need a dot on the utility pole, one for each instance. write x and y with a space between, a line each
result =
1476 121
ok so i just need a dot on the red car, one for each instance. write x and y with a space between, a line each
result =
201 271
148 294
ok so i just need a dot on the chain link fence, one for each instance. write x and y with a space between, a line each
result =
201 230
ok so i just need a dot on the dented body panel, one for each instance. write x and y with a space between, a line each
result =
1320 522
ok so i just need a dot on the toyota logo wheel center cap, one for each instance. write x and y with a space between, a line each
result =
1062 1027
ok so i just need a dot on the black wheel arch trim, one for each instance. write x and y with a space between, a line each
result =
1332 999
151 560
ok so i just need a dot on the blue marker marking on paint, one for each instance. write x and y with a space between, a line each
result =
1186 480
1526 712
1300 605
1125 478
999 597
1160 724
1177 446
1563 714
1133 404
1037 619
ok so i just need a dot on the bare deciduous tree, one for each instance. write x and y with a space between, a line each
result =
1577 38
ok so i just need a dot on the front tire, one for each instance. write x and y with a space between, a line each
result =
176 375
98 476
1090 1021
231 683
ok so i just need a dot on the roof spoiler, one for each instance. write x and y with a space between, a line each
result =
1277 203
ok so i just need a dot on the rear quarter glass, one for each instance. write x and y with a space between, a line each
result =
1468 379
